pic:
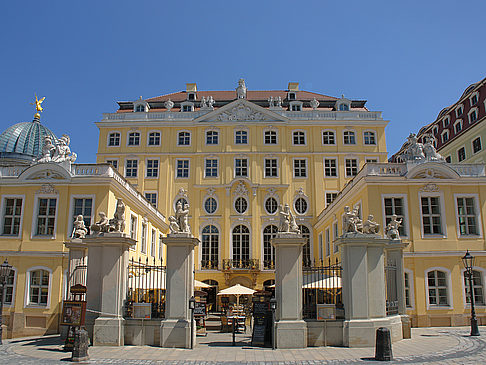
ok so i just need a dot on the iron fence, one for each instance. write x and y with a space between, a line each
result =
246 264
78 276
322 284
145 284
391 288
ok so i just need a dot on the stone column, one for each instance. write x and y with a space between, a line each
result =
291 329
175 330
107 285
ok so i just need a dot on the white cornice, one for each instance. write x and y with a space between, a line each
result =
35 253
458 253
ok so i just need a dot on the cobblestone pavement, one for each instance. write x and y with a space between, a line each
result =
428 345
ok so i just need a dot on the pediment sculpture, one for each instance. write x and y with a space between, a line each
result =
418 152
241 112
57 151
353 224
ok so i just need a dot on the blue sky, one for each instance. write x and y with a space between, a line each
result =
408 59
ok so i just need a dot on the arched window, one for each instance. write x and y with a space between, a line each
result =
133 139
114 139
268 250
343 107
184 139
306 250
212 137
478 287
154 139
38 281
241 247
369 137
140 108
210 248
437 288
349 137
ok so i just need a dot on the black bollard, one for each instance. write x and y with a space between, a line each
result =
80 347
383 349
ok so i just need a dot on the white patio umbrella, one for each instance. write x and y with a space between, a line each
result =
332 282
200 284
237 290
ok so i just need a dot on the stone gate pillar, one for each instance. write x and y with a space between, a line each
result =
175 330
291 330
106 287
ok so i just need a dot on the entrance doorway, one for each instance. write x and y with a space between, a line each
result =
211 298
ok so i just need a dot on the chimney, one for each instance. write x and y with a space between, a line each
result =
293 86
191 87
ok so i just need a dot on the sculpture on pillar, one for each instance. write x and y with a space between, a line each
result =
370 226
79 230
57 151
179 223
203 103
314 103
102 226
210 102
117 223
391 230
287 222
169 104
351 221
241 89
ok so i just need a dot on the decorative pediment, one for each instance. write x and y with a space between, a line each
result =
432 170
240 189
46 171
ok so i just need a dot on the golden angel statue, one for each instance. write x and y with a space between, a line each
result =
38 103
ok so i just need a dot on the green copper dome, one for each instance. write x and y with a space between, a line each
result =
24 140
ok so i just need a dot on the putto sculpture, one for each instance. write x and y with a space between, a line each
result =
79 229
57 151
287 223
241 89
370 226
418 152
179 223
114 225
392 228
352 223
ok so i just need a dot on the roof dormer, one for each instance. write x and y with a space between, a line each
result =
343 104
293 87
141 106
191 91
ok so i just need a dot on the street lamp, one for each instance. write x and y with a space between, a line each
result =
273 307
468 261
4 274
192 305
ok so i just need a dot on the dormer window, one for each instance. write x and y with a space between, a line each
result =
459 110
140 106
343 107
445 121
435 130
187 107
473 99
295 106
191 96
343 104
445 136
291 96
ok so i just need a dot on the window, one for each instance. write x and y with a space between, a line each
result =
152 241
466 216
133 227
300 205
476 144
351 167
306 249
140 108
143 244
210 205
114 139
241 137
191 96
328 242
459 110
395 205
134 139
349 137
39 287
182 201
461 154
132 168
445 136
154 139
330 197
300 168
152 168
369 138
445 121
435 130
241 205
298 138
9 287
478 287
241 167
211 167
152 198
84 207
473 115
113 163
241 246
371 160
335 235
330 167
271 205
184 139
271 169
269 232
474 99
343 107
212 137
437 288
188 108
296 107
448 159
210 247
12 216
46 216
431 216
270 137
458 126
408 299
291 96
161 251
182 170
328 137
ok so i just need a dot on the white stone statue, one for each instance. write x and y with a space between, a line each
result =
278 102
391 230
169 104
47 150
179 223
117 223
210 102
241 89
314 103
287 222
271 103
173 225
62 151
203 103
414 151
370 226
430 152
79 230
351 221
102 226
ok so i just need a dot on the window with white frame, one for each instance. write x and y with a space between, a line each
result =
114 139
306 249
431 215
461 154
330 197
134 138
188 107
351 167
467 216
291 96
153 242
328 137
140 108
330 167
458 126
270 137
343 107
46 217
435 130
210 247
473 99
300 167
349 137
335 235
38 281
473 115
476 145
298 138
212 137
241 246
445 136
271 205
210 205
131 169
437 288
154 139
133 227
211 167
143 244
459 110
152 198
269 232
184 139
241 205
241 167
369 138
271 169
296 106
84 207
182 169
300 206
113 163
395 206
152 168
408 290
446 121
9 287
241 137
12 216
328 242
371 160
478 287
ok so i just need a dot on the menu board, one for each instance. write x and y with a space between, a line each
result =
73 313
260 323
200 309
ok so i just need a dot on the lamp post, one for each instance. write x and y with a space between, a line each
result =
468 261
192 305
4 273
273 307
